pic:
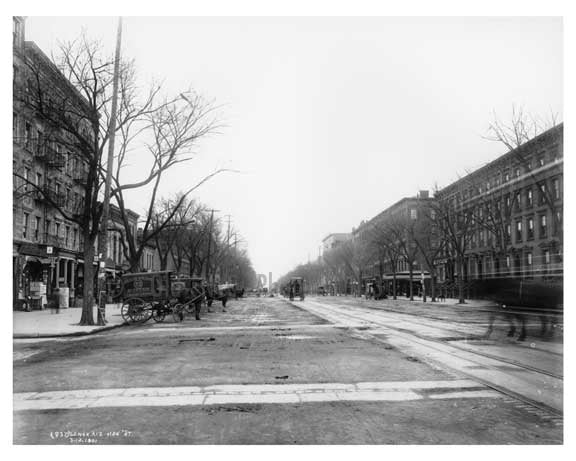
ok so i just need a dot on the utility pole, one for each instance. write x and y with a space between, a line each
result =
228 249
209 244
103 238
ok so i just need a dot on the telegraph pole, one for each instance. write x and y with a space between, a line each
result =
228 249
103 240
209 244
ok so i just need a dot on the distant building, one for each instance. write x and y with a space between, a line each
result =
332 241
405 220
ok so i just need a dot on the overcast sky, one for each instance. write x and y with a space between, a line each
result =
331 120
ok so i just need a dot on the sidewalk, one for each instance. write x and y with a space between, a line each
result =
403 300
45 323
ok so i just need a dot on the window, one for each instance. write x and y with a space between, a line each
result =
48 225
39 179
26 178
546 257
528 165
541 160
543 226
529 260
27 134
15 125
542 198
37 227
507 201
530 226
517 172
413 213
506 176
508 233
25 226
518 231
487 185
481 239
75 237
67 237
508 261
57 229
529 198
558 223
556 188
41 141
518 200
15 31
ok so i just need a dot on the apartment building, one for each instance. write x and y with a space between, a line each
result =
49 179
391 237
515 207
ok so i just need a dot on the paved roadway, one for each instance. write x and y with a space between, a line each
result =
322 371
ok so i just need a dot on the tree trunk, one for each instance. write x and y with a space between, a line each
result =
432 286
411 284
394 284
88 304
461 299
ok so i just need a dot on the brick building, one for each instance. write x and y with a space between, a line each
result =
392 238
48 177
515 205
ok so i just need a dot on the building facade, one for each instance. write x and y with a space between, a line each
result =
514 205
332 241
391 243
49 178
46 246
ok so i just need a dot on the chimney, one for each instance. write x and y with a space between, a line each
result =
423 194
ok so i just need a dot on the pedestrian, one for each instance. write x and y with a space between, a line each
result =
54 301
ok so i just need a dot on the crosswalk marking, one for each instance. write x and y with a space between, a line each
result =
252 393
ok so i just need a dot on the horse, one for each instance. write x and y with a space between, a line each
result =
519 298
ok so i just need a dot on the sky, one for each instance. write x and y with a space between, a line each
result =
330 120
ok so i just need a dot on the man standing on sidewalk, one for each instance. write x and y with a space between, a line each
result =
54 301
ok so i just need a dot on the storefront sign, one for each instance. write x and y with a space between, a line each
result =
32 250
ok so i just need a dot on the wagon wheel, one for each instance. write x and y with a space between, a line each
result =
178 313
158 312
129 307
141 313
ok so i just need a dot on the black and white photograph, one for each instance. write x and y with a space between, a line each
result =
287 230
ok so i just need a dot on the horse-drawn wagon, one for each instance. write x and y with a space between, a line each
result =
155 295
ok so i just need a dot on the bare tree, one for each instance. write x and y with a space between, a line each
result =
519 135
175 129
79 120
456 225
386 249
431 243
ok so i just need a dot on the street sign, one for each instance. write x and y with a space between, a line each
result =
49 250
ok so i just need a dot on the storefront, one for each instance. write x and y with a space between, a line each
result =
31 277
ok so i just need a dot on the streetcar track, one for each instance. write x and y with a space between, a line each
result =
456 346
480 310
331 311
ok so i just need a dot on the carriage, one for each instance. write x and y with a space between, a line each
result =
296 288
156 295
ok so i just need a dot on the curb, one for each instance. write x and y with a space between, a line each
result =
67 335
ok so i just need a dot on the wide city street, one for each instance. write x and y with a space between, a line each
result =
326 370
